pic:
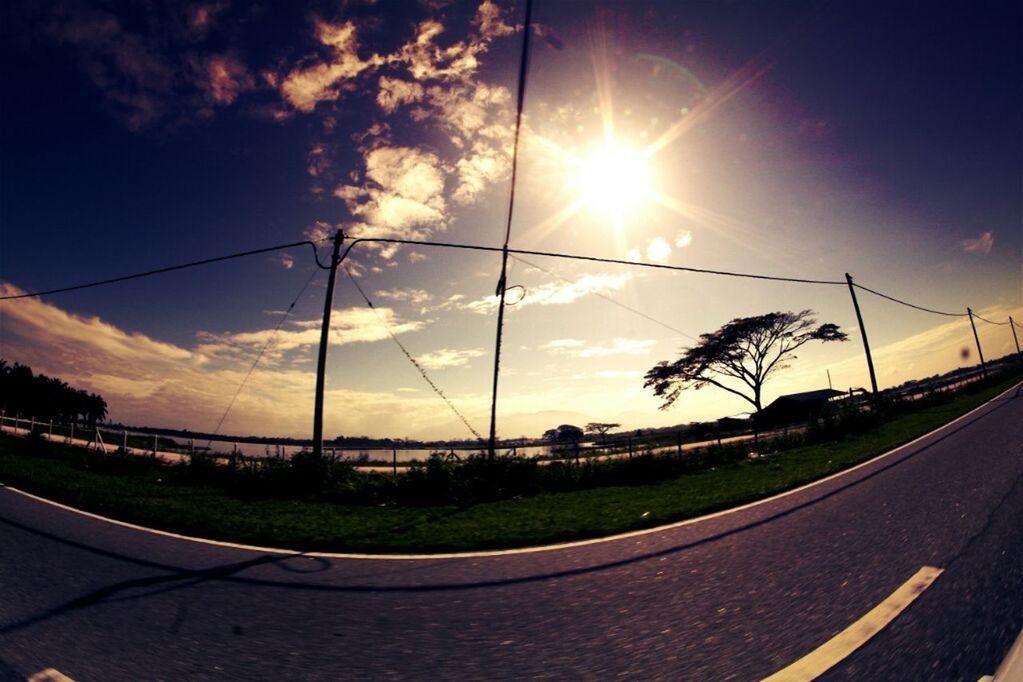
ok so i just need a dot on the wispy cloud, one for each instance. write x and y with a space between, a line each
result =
981 244
555 293
147 381
414 296
317 81
348 325
619 346
449 357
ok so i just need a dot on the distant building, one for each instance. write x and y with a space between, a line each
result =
797 407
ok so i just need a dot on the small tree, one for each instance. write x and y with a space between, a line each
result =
600 428
749 349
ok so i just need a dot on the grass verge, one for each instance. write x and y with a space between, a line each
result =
141 495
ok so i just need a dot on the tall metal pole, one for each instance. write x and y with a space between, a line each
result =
1012 326
983 365
321 366
863 333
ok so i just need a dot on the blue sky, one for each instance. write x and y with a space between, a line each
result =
802 139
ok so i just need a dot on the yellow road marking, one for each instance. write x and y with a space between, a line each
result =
49 675
814 664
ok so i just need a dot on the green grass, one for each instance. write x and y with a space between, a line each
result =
143 496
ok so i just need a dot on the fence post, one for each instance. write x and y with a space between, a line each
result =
156 443
124 439
394 461
71 434
863 333
1012 326
678 438
630 447
983 365
51 431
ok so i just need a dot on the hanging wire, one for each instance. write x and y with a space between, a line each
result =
593 259
259 356
171 268
910 305
415 363
609 299
1000 324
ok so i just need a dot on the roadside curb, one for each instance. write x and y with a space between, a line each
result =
526 550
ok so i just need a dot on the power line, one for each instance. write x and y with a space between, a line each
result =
259 357
910 305
411 359
171 268
1000 324
609 300
594 259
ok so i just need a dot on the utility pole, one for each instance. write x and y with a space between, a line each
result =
1012 326
321 366
863 333
983 365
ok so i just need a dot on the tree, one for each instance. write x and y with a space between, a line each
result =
566 433
600 428
750 349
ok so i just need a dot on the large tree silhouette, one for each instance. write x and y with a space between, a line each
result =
748 349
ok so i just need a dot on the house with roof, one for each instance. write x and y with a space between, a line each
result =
798 407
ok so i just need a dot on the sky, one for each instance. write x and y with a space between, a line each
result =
796 139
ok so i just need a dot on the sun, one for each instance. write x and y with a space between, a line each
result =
614 180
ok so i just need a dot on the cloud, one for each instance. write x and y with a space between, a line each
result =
449 357
490 22
347 325
619 346
136 81
404 195
555 293
305 87
394 92
287 261
683 239
982 244
222 78
414 296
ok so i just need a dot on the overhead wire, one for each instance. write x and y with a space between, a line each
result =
411 358
1000 324
609 299
171 268
259 356
594 259
906 303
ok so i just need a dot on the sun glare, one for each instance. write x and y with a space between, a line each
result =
613 180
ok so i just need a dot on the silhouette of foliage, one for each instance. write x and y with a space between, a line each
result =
601 428
749 349
565 433
44 398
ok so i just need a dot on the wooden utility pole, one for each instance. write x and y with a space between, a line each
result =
983 365
863 333
321 365
1012 326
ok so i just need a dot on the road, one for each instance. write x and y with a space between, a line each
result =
739 595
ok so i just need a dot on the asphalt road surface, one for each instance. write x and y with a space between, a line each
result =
740 595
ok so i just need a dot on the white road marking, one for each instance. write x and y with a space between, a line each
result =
520 550
824 657
49 675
